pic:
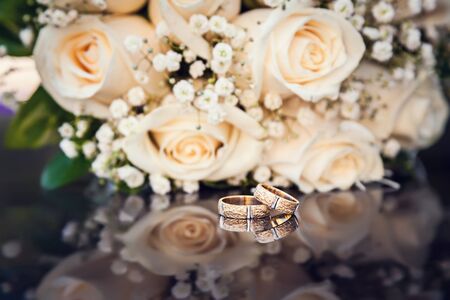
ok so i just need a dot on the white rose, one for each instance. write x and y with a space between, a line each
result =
85 65
174 241
337 221
181 144
413 112
112 6
177 13
302 51
328 157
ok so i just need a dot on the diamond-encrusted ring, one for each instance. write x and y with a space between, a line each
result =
242 207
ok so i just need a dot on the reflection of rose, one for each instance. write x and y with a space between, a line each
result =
88 276
181 143
176 14
404 232
113 6
337 221
322 159
85 66
176 240
68 288
414 112
309 51
322 291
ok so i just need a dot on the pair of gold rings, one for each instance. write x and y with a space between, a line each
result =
265 199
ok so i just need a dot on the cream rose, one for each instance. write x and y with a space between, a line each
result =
179 142
335 222
302 51
177 240
176 14
112 6
331 156
85 66
414 112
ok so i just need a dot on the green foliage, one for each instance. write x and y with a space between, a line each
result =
62 170
14 16
36 123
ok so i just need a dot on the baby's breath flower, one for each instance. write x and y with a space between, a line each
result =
159 62
131 176
274 3
220 67
224 87
136 96
173 61
223 52
162 30
189 56
372 33
216 114
128 125
141 77
159 184
191 187
343 7
89 148
391 148
256 113
184 91
119 109
383 12
272 101
133 43
199 24
218 24
69 148
104 134
206 99
275 129
66 130
197 69
382 51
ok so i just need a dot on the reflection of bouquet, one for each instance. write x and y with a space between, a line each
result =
306 92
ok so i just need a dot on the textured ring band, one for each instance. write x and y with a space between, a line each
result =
282 226
276 199
247 225
242 207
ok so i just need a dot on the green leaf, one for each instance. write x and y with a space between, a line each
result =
13 44
62 170
36 123
12 13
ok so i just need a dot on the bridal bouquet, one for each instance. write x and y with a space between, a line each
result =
173 93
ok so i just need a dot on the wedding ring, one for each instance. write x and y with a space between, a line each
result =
282 226
242 207
276 199
244 225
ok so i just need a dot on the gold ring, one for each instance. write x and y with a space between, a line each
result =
276 199
244 225
282 226
242 207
